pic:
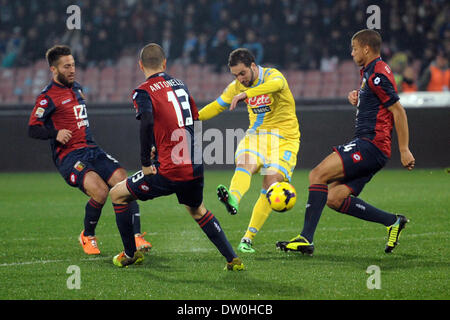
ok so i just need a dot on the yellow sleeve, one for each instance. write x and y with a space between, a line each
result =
210 111
274 81
219 105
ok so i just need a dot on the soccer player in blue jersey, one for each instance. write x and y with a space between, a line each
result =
340 177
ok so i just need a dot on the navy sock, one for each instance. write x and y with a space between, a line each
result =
91 216
317 199
211 227
358 208
124 221
134 209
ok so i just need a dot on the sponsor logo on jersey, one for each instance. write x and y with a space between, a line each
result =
73 178
144 187
259 110
356 157
259 101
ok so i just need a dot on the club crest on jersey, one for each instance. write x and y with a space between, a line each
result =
39 112
79 166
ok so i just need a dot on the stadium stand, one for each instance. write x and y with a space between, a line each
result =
307 40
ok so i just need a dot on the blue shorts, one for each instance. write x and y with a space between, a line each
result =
145 188
361 159
76 164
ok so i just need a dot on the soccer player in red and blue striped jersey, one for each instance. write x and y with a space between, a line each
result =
60 115
167 113
340 177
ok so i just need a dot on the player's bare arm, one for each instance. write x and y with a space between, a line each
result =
401 127
63 136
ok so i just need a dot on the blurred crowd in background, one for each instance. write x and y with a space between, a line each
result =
291 35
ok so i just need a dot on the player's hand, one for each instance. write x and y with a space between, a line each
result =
239 97
149 171
63 136
353 97
407 159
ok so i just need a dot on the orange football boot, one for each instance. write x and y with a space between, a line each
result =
141 243
89 244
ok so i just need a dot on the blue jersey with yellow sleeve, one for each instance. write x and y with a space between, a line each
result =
270 104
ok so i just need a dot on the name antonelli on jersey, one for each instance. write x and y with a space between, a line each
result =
165 84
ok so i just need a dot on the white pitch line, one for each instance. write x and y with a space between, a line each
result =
414 235
48 261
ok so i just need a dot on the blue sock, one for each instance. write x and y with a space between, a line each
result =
211 227
317 199
124 221
91 217
134 209
358 208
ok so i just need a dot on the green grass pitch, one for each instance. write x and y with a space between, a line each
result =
41 218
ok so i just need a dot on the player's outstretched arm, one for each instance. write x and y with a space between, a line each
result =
210 111
401 127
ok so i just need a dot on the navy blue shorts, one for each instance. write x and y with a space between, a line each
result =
361 159
76 164
145 188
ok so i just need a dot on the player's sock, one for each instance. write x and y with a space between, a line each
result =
124 221
317 199
211 227
91 216
358 208
134 209
240 183
260 213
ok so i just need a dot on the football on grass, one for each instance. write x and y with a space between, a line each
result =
282 196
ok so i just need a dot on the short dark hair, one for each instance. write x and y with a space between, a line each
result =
368 37
241 55
152 56
54 53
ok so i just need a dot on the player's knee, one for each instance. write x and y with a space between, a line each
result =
316 176
100 194
334 202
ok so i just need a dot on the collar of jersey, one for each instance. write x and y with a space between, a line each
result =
260 77
158 74
371 63
63 86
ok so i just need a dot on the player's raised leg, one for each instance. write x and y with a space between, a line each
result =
97 190
246 166
211 227
121 199
141 244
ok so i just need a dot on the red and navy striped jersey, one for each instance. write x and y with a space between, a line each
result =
60 107
174 111
377 93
